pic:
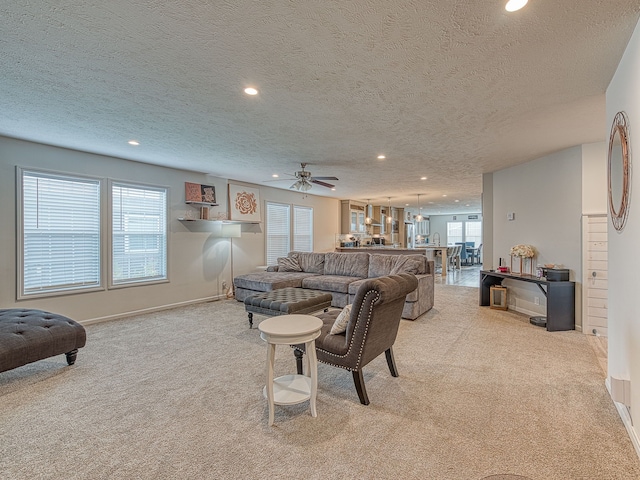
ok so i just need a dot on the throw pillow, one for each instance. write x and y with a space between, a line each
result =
289 264
340 324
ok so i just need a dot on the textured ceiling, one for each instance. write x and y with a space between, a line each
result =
445 89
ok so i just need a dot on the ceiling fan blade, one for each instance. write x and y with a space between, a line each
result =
318 182
326 178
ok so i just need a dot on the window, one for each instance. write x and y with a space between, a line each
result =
454 232
138 234
278 231
303 229
473 232
288 229
59 233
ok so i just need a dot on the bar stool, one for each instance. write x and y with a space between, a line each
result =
498 297
291 389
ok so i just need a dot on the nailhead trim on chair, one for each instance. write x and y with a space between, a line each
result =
366 330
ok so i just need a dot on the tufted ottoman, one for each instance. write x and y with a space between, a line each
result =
287 301
30 335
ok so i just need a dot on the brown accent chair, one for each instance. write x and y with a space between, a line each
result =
371 330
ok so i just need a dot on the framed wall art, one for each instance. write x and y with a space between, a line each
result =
244 203
200 194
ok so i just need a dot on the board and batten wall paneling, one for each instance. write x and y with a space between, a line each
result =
595 282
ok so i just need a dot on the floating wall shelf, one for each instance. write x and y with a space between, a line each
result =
218 228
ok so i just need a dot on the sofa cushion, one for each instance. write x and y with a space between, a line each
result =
310 262
382 265
347 264
289 264
415 264
329 283
267 281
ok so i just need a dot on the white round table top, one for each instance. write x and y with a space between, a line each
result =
287 325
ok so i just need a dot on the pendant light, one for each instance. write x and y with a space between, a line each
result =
419 217
389 217
367 219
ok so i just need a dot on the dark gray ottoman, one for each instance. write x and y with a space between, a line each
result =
30 335
287 301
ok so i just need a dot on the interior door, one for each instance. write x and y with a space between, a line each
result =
595 279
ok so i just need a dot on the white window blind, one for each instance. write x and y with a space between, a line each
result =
60 233
278 226
454 232
303 229
473 232
139 234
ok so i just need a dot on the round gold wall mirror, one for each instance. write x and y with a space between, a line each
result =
619 171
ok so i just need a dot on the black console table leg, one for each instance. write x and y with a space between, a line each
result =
250 320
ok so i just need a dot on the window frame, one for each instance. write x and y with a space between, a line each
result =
292 209
112 285
20 235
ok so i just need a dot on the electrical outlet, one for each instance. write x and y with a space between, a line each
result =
536 300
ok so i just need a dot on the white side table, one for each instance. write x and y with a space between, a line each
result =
291 389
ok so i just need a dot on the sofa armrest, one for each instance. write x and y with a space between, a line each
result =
272 268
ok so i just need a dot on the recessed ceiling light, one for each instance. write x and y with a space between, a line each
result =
381 157
275 175
456 201
444 195
333 189
515 5
135 143
250 91
406 204
423 178
467 205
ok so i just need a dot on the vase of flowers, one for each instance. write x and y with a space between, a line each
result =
523 251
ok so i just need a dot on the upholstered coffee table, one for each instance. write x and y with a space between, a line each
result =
287 301
291 389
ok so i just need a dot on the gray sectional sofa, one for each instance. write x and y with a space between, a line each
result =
341 274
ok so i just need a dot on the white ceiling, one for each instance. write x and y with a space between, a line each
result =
448 89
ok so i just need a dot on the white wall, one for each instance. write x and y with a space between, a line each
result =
623 94
545 197
198 262
249 250
594 178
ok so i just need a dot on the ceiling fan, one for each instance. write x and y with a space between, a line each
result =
305 179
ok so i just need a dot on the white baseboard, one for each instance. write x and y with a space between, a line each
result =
531 313
159 308
524 311
626 420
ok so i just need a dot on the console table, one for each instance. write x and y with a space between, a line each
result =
561 304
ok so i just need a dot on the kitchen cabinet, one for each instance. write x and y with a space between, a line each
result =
422 228
352 217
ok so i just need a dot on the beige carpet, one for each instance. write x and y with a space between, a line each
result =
178 394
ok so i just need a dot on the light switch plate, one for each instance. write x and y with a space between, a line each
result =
511 216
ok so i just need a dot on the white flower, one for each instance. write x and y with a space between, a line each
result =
522 250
